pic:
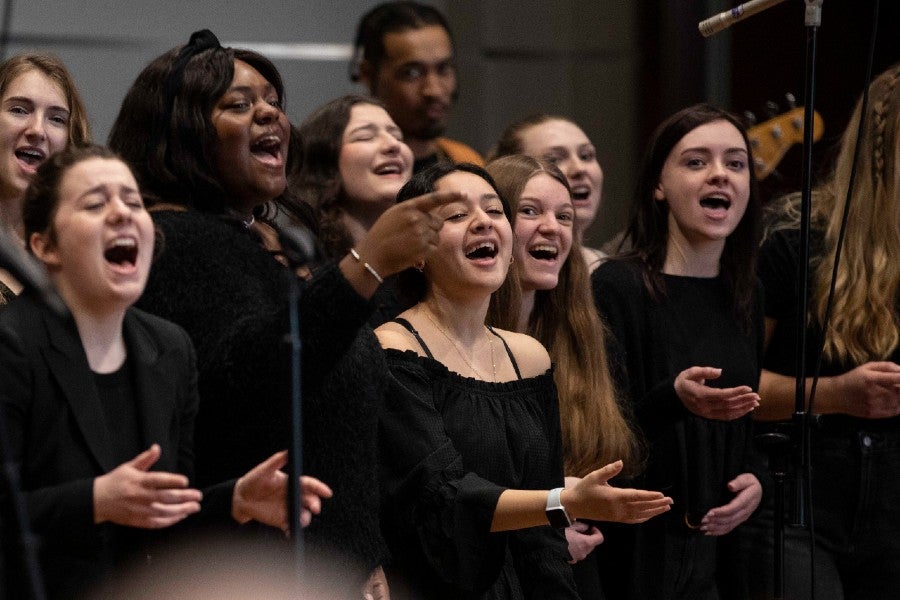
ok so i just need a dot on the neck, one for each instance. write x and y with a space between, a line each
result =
101 336
421 148
464 321
358 222
692 260
527 309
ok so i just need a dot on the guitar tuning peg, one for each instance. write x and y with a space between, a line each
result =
791 100
771 109
749 118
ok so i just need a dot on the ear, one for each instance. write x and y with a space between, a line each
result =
44 249
658 193
367 75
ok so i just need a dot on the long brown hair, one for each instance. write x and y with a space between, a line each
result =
564 320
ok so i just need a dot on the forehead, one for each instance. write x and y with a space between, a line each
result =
430 44
547 190
461 181
247 76
552 133
367 113
93 172
715 135
36 85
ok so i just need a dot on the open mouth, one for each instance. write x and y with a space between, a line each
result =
544 252
391 168
482 250
715 202
580 193
122 251
31 156
267 149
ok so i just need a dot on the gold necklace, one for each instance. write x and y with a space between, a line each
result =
459 350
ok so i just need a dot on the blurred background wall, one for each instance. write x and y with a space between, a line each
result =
617 67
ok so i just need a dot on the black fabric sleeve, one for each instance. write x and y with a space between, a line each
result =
437 513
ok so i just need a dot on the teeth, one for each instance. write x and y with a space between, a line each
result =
123 243
544 248
388 170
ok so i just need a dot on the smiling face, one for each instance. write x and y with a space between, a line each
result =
374 163
253 139
564 144
544 227
706 183
416 80
34 118
475 241
100 244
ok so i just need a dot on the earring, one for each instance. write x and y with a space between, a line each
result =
512 259
419 266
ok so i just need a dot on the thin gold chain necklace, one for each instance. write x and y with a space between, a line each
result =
459 350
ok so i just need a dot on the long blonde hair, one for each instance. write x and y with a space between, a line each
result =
595 431
864 323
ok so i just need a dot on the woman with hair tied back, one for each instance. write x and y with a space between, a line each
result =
470 448
685 311
855 439
100 404
557 309
205 130
40 113
560 141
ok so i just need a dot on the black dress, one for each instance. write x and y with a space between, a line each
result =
449 446
690 458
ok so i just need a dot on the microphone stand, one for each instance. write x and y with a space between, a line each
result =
779 443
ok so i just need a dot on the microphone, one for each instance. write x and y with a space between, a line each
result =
726 19
30 273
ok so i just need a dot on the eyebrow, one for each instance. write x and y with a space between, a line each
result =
32 102
247 89
101 188
707 150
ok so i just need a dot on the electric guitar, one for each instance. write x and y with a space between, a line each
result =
771 139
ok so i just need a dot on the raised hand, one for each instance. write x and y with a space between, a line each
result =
261 495
722 404
133 495
723 519
593 498
405 233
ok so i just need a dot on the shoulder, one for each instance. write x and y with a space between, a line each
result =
530 354
162 334
394 336
459 152
617 276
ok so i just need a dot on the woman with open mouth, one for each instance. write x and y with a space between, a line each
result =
563 143
470 446
354 161
100 403
557 309
684 309
40 113
205 131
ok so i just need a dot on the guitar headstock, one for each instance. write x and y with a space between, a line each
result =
771 139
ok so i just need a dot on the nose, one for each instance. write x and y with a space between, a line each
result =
433 84
718 172
548 225
265 112
389 143
119 210
481 220
36 129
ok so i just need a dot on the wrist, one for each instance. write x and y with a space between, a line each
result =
238 506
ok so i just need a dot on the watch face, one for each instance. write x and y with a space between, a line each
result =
558 518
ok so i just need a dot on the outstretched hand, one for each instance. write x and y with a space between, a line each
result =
261 495
721 404
133 495
593 498
723 519
405 233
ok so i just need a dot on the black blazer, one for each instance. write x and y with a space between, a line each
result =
58 434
